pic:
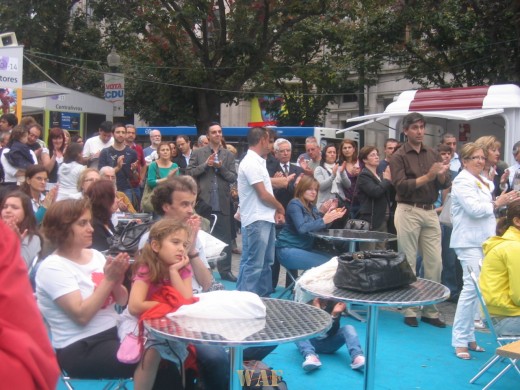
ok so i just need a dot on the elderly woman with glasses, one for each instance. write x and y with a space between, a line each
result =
473 217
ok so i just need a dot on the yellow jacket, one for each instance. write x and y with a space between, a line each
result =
500 274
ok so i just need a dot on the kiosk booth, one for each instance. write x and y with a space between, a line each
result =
468 113
56 106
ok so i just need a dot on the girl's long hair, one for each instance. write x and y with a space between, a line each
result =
305 183
157 270
504 223
354 157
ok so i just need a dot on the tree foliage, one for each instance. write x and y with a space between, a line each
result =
200 53
53 33
457 42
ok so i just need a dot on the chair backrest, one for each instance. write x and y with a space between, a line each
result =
501 340
213 223
483 305
357 224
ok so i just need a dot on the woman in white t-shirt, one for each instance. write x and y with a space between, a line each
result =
77 289
69 172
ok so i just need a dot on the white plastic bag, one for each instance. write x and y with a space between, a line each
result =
234 315
213 247
226 305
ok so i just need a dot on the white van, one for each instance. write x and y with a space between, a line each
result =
468 113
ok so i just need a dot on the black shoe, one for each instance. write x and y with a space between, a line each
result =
434 321
228 276
453 298
411 321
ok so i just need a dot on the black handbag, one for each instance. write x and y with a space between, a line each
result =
127 240
372 271
357 224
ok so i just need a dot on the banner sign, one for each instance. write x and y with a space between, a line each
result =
11 66
115 92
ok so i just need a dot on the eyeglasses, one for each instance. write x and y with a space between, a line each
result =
475 158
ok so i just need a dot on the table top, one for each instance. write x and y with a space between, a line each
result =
354 235
511 350
285 321
422 292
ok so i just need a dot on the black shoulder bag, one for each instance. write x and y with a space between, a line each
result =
373 271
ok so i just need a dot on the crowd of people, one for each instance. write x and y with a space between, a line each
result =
61 202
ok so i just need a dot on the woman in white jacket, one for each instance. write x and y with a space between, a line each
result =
473 216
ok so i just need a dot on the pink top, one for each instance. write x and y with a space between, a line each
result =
142 272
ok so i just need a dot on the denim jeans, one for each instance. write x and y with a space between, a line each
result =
257 257
295 258
509 326
463 324
451 275
132 193
346 335
213 363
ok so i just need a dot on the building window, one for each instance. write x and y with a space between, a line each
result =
350 98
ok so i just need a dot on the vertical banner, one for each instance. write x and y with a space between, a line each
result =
115 92
11 71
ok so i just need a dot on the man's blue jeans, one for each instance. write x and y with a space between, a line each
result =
134 194
346 335
451 275
257 257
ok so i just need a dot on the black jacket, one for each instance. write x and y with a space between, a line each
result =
373 197
284 195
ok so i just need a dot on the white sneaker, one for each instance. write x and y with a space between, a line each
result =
358 362
479 324
311 363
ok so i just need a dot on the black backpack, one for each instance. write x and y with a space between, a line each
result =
258 375
127 239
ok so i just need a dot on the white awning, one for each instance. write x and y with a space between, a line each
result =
35 91
462 115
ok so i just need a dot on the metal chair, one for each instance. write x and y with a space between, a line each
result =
113 384
500 340
290 288
213 223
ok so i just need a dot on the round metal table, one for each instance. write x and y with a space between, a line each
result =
422 292
286 321
353 236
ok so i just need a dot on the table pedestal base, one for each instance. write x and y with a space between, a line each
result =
371 346
236 358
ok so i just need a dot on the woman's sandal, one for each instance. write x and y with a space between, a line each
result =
475 347
464 355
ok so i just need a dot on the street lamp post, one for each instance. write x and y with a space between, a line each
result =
115 84
113 60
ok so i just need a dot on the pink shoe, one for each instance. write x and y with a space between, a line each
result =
358 362
311 363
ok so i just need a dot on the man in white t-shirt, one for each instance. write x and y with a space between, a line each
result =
94 145
259 210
